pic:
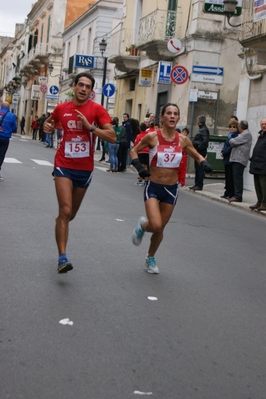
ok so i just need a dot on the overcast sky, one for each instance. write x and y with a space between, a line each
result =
12 12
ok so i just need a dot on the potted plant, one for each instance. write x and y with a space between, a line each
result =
132 49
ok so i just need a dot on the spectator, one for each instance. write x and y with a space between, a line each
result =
113 147
35 127
41 132
183 164
258 168
128 128
143 155
200 143
8 126
239 157
226 151
22 125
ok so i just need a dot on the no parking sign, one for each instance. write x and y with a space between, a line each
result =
179 74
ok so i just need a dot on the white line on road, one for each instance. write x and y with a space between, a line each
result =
43 163
11 160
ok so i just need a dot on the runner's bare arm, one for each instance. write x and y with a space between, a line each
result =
148 141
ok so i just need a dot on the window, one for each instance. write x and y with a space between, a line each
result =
132 84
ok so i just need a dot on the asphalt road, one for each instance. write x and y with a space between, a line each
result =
204 336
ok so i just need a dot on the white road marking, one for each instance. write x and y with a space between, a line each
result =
43 163
11 160
100 167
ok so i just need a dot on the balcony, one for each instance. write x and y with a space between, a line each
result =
253 35
123 59
35 58
155 30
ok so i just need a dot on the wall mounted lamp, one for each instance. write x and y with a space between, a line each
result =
50 69
229 10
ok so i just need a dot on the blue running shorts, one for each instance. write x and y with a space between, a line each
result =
79 178
162 193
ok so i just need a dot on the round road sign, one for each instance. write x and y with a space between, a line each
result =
43 88
174 45
92 95
179 74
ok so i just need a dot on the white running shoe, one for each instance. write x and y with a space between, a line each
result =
138 232
151 265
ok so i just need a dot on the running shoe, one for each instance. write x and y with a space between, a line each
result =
138 232
151 265
1 178
64 267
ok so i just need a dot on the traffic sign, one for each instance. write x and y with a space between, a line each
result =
108 90
207 70
54 90
174 45
164 70
43 88
145 76
179 74
92 95
206 78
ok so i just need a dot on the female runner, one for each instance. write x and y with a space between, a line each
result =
161 189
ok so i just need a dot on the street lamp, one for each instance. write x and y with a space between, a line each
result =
103 46
229 10
50 69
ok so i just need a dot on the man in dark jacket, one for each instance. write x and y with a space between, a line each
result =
200 143
258 168
8 125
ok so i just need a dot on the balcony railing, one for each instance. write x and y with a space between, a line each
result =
41 49
120 40
159 25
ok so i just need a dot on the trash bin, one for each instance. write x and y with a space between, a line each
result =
214 157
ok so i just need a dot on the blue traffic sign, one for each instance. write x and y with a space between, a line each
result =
54 90
108 90
164 69
207 70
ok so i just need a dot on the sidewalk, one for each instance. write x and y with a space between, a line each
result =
215 190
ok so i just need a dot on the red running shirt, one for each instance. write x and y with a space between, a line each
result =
76 148
166 154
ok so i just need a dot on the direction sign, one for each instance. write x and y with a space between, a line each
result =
207 70
108 90
217 7
206 78
179 74
164 70
54 90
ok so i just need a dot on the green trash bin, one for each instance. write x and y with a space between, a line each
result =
214 157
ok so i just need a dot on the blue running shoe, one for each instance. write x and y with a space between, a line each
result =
138 232
64 266
151 265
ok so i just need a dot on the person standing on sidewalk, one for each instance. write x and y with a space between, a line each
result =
74 158
161 189
200 143
239 157
226 151
258 168
8 125
22 125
